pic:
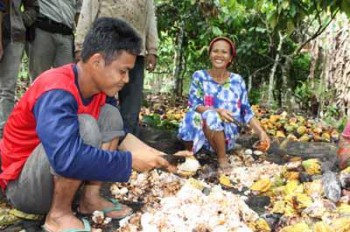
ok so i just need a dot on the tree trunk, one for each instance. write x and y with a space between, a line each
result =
336 65
286 92
315 55
270 99
178 60
250 80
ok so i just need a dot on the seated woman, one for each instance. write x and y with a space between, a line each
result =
217 97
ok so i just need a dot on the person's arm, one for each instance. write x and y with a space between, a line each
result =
255 125
152 39
200 102
31 11
87 16
196 93
247 116
58 130
145 158
2 9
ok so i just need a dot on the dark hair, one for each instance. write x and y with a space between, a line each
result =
110 36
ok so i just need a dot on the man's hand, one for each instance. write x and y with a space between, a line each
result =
184 153
151 62
176 158
146 159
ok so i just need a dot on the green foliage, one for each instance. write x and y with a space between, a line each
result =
286 15
202 20
300 69
345 7
254 25
254 96
331 117
342 123
155 121
304 93
24 69
23 79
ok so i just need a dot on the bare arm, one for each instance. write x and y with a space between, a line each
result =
200 109
224 114
255 124
152 32
151 37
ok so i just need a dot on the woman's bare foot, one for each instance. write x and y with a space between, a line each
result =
61 222
224 166
88 206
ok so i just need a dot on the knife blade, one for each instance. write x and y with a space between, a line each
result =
241 126
174 159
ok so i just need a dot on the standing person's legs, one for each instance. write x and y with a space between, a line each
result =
131 97
42 53
9 66
64 50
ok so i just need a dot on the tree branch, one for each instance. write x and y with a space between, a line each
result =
318 32
260 69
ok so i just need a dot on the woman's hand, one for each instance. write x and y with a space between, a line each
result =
265 140
225 115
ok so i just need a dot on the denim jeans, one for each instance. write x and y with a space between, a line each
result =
9 67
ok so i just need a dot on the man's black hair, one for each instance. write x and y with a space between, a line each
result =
110 36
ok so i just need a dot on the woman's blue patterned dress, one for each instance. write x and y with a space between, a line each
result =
204 90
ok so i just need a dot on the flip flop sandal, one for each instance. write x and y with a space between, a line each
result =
87 228
116 207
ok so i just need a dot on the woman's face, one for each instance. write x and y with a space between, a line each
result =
220 54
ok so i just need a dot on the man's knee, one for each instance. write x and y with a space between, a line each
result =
110 123
89 130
